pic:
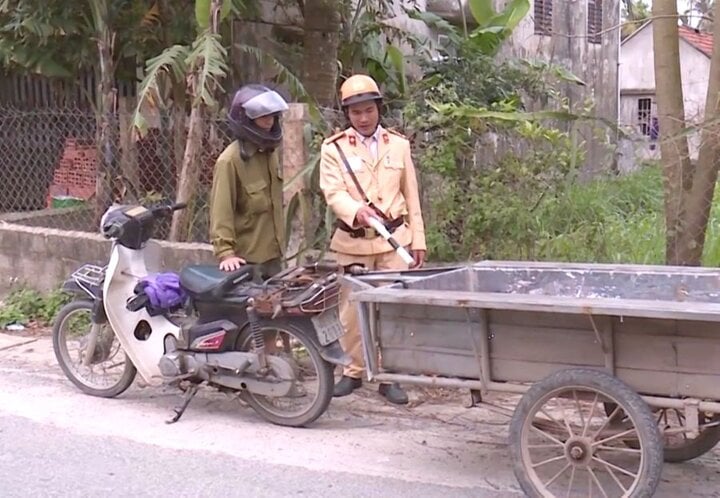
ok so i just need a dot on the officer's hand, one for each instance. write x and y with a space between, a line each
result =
419 257
363 215
231 263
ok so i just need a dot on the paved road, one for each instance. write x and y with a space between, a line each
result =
55 441
48 462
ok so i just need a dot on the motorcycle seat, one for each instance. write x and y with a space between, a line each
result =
210 282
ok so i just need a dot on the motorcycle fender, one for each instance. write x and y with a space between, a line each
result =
98 313
334 354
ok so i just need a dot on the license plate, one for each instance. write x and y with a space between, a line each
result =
328 327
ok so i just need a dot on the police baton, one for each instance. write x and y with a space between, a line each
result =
380 228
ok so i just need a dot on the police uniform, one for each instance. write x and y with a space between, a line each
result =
383 167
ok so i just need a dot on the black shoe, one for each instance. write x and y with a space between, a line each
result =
346 386
393 393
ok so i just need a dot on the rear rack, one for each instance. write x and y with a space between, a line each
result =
90 274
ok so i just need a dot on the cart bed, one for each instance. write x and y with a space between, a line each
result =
656 328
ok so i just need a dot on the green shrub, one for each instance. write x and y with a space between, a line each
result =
23 306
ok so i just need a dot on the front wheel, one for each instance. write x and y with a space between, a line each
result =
562 442
89 353
313 384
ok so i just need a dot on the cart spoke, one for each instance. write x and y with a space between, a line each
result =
681 416
548 436
565 419
597 482
592 413
554 478
542 446
552 419
579 408
615 467
619 449
615 478
572 479
609 419
615 436
549 460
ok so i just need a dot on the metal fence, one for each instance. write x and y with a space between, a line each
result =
49 166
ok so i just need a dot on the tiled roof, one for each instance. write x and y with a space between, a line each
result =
701 41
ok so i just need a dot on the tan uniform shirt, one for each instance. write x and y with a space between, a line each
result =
388 179
246 205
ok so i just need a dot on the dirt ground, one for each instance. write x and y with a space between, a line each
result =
437 438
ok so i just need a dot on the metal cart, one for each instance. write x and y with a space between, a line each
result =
618 366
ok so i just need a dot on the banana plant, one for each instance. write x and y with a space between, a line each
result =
194 73
495 27
199 69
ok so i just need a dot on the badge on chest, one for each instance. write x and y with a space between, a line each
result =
355 163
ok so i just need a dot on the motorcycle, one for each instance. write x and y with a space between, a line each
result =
259 339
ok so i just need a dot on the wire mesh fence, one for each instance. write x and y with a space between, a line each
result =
510 208
51 162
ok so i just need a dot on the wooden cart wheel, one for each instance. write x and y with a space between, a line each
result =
562 442
678 447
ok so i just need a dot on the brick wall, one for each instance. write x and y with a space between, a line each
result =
75 173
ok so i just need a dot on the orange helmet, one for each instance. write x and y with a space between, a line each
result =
359 88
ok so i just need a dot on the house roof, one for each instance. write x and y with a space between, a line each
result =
697 39
701 41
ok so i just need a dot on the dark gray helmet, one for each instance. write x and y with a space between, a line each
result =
255 101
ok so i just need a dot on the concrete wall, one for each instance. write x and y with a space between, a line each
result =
41 258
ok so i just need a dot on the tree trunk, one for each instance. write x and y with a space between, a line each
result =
191 165
180 227
107 125
129 165
320 47
671 116
706 174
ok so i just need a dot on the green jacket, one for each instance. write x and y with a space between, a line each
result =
246 205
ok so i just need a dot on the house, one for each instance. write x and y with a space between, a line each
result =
637 85
583 37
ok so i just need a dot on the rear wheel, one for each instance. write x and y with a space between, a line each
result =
108 372
313 384
678 447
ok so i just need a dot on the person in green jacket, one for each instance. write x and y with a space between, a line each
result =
246 204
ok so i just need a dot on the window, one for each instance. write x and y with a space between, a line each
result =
594 21
644 115
542 13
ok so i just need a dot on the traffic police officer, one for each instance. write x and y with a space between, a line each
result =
367 171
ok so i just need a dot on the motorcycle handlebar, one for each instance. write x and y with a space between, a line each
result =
114 231
166 210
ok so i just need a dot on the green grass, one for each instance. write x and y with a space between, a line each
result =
610 220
